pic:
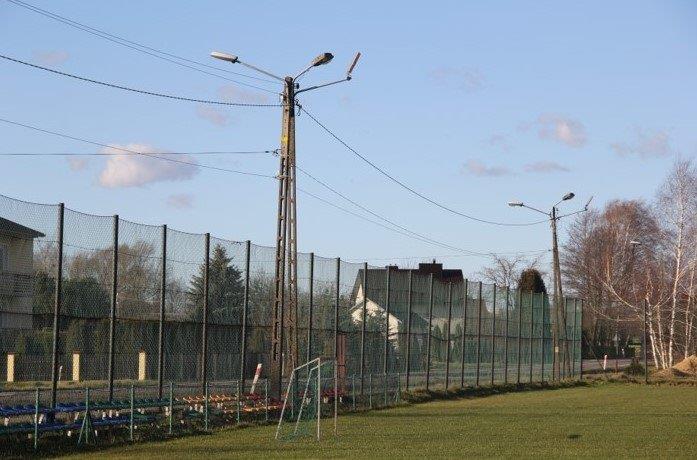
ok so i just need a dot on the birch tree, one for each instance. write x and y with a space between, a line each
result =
633 252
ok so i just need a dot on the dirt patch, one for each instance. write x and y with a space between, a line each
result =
687 366
669 374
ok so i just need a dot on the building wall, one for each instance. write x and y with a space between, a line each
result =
15 310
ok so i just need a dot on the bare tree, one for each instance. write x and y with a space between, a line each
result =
676 204
506 271
631 253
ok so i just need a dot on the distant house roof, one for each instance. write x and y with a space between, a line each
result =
377 276
7 227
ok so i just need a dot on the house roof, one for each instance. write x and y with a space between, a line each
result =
7 227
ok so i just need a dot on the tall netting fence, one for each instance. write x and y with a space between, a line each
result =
153 305
138 301
260 315
28 272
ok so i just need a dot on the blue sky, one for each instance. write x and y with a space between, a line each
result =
472 104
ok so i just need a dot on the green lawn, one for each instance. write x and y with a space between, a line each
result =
605 420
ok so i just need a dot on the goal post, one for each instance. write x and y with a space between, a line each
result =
311 395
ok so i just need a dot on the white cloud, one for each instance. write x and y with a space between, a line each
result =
51 57
126 170
477 168
232 93
544 167
561 129
180 201
212 114
77 163
461 78
645 144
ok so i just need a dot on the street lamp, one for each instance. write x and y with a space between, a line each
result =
285 307
553 218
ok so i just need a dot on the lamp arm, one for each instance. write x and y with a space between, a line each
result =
537 210
310 88
269 74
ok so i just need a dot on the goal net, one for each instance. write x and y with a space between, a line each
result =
310 397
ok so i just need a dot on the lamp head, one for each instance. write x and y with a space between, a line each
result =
231 58
353 65
322 59
568 196
514 204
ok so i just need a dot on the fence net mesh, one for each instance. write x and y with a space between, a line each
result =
428 325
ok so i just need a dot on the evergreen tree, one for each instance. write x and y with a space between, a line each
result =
531 280
225 289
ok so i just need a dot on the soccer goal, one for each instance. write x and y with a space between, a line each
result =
311 396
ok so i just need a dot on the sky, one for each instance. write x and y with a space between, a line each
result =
471 104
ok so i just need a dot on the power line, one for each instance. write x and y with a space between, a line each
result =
140 47
56 16
406 233
122 149
442 256
374 222
99 154
155 156
374 214
400 232
410 189
134 90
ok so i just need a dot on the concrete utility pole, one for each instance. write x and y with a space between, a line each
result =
558 297
285 308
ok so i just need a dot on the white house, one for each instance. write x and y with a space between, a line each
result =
375 304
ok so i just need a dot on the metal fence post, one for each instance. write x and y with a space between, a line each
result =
532 328
505 342
520 331
409 303
204 321
542 347
363 318
310 307
161 330
385 362
580 364
58 300
464 333
245 311
336 311
112 313
430 324
561 372
479 334
493 337
447 350
646 343
573 339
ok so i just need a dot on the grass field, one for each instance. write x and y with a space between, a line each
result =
604 420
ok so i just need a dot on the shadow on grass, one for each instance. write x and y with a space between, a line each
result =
55 445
